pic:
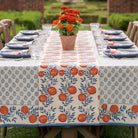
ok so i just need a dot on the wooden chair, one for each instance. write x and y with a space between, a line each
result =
2 32
130 27
9 24
136 35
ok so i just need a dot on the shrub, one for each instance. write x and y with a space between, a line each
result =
29 19
121 21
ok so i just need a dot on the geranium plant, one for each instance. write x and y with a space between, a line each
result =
68 22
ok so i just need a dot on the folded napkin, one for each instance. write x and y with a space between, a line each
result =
108 36
112 43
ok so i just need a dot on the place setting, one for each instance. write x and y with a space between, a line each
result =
121 53
15 54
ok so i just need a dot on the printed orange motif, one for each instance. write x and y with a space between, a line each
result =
81 72
83 66
62 97
74 71
52 90
104 106
61 72
72 89
98 118
82 97
114 109
32 118
4 110
44 66
106 118
62 117
41 74
64 66
134 109
42 98
93 71
82 117
54 72
25 109
91 90
43 119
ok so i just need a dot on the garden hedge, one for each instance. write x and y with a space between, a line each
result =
121 21
28 19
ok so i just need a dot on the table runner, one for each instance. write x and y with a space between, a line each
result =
68 83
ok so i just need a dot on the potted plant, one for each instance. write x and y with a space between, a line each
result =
68 25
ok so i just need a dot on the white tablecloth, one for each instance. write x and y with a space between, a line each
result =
22 104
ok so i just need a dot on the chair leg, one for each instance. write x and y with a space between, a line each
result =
4 131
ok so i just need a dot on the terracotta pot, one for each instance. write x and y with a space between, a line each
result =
68 42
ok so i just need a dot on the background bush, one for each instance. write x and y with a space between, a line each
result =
90 11
24 20
121 21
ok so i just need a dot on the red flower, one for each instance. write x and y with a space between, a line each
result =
79 19
55 22
70 14
63 18
63 8
76 12
60 26
71 19
69 10
69 28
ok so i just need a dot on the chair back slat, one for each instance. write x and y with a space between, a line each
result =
133 32
130 26
1 31
9 24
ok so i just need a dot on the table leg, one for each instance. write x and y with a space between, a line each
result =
4 131
134 131
85 132
53 132
69 132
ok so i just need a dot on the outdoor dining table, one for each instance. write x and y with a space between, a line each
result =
69 88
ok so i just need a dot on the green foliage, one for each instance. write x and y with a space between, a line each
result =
121 21
29 19
95 11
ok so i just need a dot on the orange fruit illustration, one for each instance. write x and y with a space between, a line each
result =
104 106
72 89
106 118
62 117
41 73
74 71
93 71
42 98
52 90
61 72
134 108
81 72
4 110
82 97
91 90
43 119
82 117
25 109
114 109
32 118
62 97
54 72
